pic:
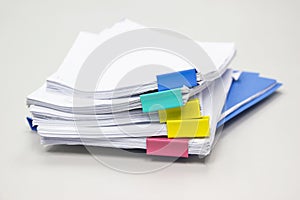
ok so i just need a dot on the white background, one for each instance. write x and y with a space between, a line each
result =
256 158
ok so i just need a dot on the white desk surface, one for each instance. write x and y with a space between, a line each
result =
257 156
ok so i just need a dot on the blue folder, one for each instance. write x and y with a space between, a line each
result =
30 123
248 85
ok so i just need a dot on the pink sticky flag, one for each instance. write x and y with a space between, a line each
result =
161 146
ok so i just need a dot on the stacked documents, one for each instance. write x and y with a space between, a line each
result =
166 111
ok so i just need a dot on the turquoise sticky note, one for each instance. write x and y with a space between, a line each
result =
161 100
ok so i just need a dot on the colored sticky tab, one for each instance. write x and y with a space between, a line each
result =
161 100
177 80
189 128
190 110
160 146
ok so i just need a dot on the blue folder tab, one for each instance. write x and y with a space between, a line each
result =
161 100
248 85
177 80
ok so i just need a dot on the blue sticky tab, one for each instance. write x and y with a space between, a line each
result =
161 100
177 80
29 120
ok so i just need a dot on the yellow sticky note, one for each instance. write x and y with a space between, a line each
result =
190 110
188 128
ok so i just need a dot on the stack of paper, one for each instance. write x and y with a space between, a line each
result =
163 114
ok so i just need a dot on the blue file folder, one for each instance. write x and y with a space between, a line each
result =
248 85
